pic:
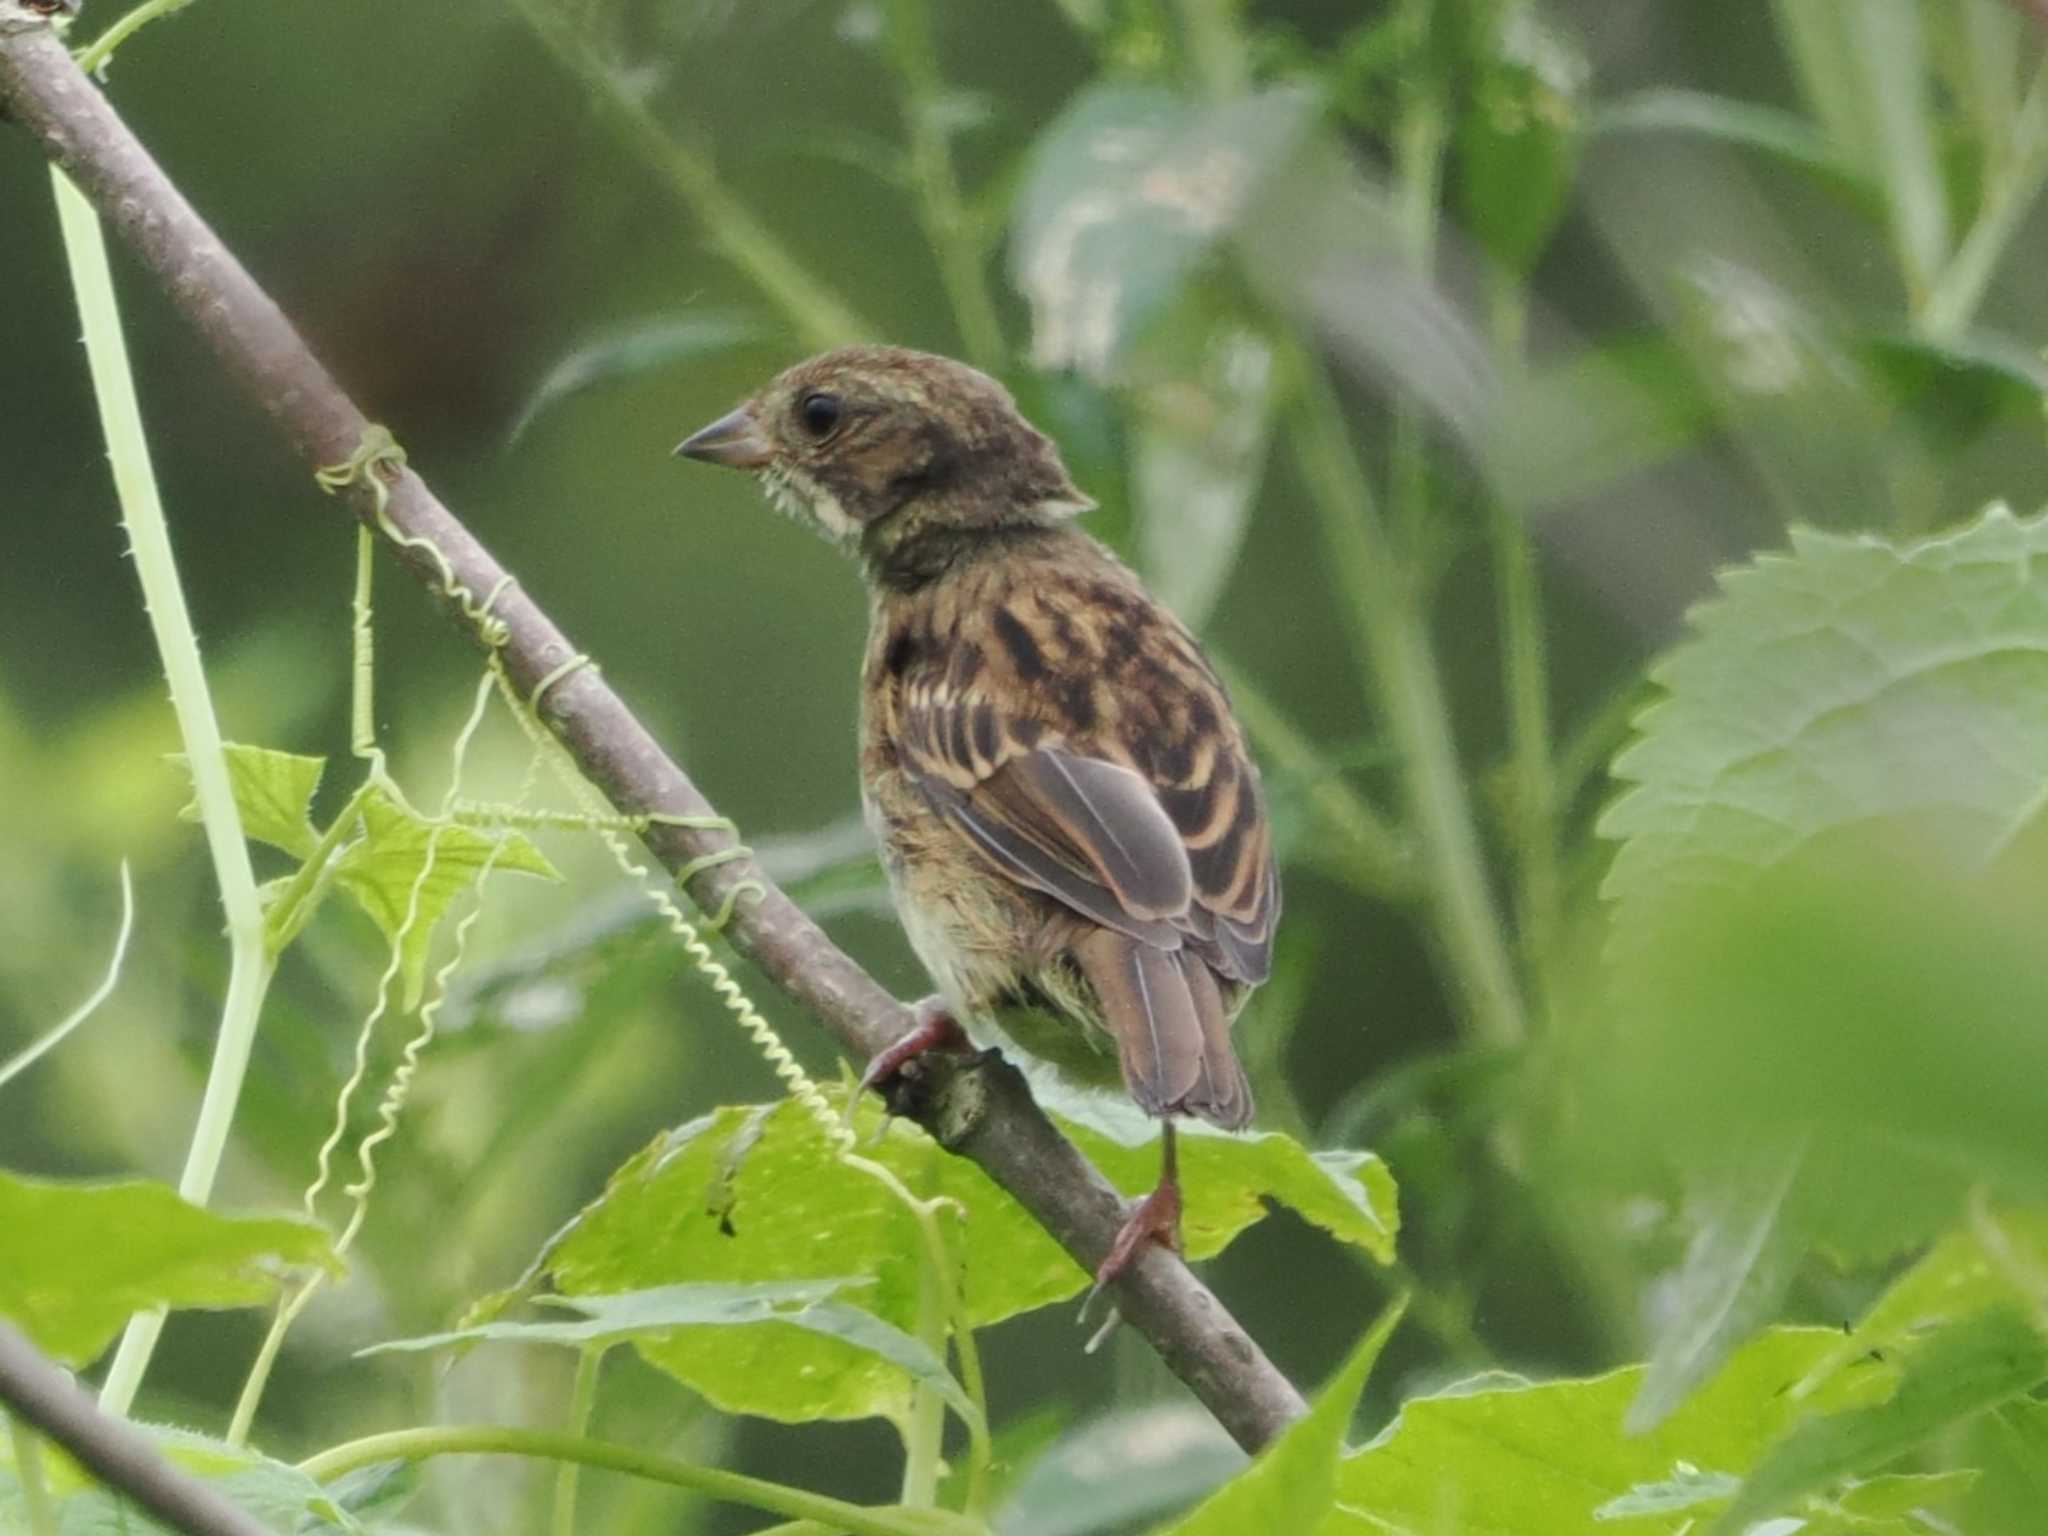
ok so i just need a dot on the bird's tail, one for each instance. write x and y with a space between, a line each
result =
1171 1028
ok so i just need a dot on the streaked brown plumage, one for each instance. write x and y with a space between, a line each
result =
1069 814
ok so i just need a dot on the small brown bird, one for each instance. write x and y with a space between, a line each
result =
1068 813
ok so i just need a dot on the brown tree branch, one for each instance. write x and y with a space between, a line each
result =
114 1452
984 1112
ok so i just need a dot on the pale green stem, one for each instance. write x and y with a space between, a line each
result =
258 1378
582 1406
28 1474
1216 48
94 56
36 1050
955 243
924 1433
1526 678
1371 854
2012 184
712 1482
1389 631
177 645
810 305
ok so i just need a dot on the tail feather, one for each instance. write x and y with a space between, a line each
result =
1171 1028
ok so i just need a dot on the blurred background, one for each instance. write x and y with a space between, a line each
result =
1565 305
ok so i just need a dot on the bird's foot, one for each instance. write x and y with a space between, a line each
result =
934 1029
1154 1219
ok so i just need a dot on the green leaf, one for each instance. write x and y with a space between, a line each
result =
1989 1263
1834 837
77 1259
1199 454
1536 1459
406 871
281 1498
1743 1258
664 1316
1518 138
660 341
1783 136
1292 1485
1105 1475
1127 192
1572 428
754 1194
1963 1370
1958 387
274 793
2009 1446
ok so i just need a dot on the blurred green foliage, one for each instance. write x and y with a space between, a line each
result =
1431 356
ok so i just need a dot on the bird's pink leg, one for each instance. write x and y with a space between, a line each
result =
1156 1218
934 1029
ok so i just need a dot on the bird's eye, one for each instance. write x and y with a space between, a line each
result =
820 414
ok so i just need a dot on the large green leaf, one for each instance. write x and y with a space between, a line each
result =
667 1316
754 1194
1109 1473
1846 682
280 1497
1127 192
1963 1370
1292 1486
406 871
1833 842
77 1259
1499 1457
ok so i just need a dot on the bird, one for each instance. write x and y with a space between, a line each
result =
1067 810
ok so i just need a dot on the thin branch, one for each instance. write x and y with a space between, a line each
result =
982 1111
36 1392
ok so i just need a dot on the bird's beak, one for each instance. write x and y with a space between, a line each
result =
733 440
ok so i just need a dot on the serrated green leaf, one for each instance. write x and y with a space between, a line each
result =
281 1498
1963 1370
754 1194
1127 192
1533 1460
1834 838
666 1316
274 794
70 1289
405 871
1292 1485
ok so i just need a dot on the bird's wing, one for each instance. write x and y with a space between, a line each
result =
1105 769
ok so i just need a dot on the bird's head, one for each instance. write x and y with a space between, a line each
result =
898 456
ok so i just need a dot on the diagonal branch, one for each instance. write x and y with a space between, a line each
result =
115 1452
983 1112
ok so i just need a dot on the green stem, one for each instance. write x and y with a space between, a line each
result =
150 541
1373 856
298 901
1389 631
955 243
924 1434
807 302
582 1405
251 1396
712 1482
28 1472
1525 665
2011 186
94 56
1216 50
